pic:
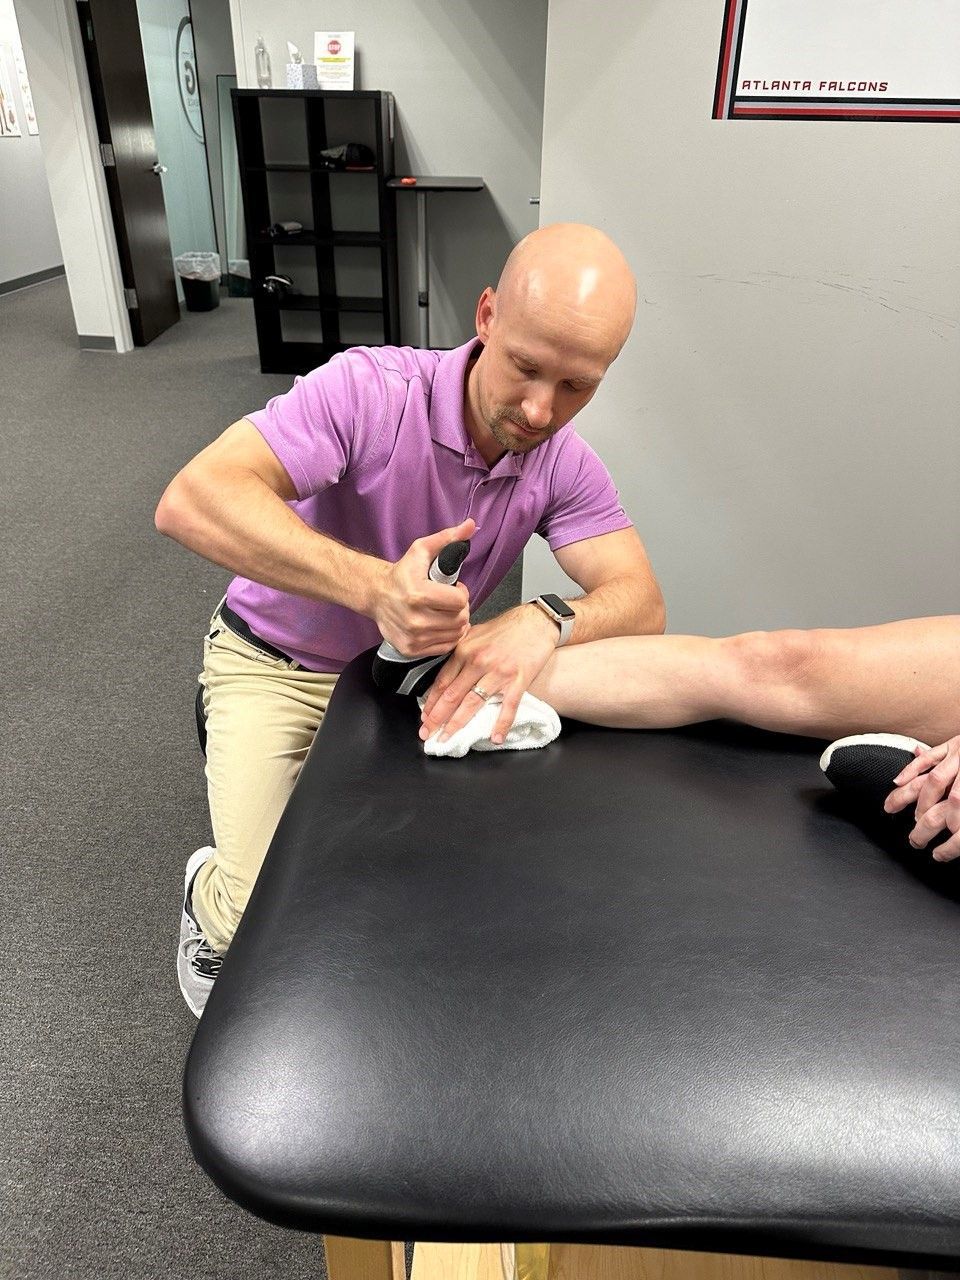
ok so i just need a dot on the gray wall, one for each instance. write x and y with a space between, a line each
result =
213 43
28 242
467 76
783 423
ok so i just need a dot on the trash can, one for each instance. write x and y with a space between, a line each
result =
200 278
238 278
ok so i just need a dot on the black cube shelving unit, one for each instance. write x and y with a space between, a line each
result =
344 262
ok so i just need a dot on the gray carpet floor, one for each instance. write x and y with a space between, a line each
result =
103 795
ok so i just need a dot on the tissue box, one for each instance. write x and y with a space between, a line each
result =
302 75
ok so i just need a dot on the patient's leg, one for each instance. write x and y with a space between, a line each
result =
900 677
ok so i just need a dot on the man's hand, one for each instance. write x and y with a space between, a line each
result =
932 780
502 658
417 616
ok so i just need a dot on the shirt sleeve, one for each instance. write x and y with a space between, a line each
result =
584 502
329 419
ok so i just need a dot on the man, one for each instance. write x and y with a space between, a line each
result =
330 505
902 677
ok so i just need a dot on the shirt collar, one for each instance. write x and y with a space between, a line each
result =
447 426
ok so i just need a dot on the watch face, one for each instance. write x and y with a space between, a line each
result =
560 607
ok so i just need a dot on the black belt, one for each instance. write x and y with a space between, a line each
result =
242 629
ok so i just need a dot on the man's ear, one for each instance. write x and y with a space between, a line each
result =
486 310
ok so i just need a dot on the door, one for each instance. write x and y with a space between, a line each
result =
173 81
118 82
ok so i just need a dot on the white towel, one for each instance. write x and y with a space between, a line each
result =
535 725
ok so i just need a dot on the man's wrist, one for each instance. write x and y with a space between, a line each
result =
365 584
546 625
558 613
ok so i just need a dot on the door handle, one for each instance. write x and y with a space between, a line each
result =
276 286
159 168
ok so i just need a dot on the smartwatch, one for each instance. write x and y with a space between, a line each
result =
560 612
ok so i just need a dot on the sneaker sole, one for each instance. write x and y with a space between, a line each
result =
194 863
896 740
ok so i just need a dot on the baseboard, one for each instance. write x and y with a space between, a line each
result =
96 342
36 277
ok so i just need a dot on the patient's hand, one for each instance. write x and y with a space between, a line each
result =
932 780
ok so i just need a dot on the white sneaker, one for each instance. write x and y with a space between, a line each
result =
197 962
865 765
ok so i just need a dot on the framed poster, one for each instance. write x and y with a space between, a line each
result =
9 123
839 60
26 97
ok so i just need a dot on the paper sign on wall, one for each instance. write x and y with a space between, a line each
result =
9 124
26 97
839 60
333 54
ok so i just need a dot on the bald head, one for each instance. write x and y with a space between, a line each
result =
562 310
572 279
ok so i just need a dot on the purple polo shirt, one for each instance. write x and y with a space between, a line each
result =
376 446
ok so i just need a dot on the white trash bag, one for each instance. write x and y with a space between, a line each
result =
198 266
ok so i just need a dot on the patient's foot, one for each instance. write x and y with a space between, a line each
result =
197 962
863 767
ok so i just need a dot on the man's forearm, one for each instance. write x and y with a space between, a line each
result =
627 606
244 526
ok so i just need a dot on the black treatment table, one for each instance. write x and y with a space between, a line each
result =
649 989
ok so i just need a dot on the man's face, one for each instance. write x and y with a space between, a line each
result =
533 378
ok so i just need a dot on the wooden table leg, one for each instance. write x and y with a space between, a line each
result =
608 1262
364 1259
533 1262
433 1261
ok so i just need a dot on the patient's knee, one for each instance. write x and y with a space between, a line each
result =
788 659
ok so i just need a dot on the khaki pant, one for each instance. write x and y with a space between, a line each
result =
262 713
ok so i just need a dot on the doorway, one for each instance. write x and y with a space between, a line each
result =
151 105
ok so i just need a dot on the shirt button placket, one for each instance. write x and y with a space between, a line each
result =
473 494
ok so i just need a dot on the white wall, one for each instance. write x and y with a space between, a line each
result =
783 423
29 241
55 65
467 76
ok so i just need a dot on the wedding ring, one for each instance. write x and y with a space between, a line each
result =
481 693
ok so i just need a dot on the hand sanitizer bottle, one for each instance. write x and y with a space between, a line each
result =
262 59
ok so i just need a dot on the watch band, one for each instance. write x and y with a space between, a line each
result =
563 620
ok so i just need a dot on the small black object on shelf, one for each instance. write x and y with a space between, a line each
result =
349 157
277 286
282 230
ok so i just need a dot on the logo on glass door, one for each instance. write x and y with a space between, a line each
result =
187 78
